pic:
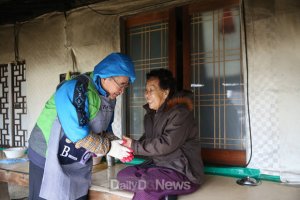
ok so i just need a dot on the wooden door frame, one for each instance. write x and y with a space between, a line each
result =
210 156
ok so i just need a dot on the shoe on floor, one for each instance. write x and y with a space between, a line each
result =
171 197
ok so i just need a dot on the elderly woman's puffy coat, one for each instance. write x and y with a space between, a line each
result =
171 138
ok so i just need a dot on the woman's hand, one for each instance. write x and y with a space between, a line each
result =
127 141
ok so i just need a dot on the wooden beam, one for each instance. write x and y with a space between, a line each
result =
146 18
18 178
186 50
211 5
224 157
4 193
95 195
172 42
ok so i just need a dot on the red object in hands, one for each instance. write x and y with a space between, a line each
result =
128 158
131 156
131 150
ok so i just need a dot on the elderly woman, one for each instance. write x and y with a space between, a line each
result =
170 142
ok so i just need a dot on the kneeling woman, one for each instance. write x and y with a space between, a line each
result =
170 141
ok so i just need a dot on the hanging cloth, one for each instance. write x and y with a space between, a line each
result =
227 24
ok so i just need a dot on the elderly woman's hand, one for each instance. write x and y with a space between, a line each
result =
127 141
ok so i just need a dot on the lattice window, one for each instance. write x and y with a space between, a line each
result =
217 78
13 105
148 48
19 107
4 106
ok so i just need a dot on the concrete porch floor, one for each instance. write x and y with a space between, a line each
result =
214 188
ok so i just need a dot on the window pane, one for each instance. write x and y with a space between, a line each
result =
217 78
148 48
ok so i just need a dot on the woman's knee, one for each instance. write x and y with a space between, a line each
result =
126 172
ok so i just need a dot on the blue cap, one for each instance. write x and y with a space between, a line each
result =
115 64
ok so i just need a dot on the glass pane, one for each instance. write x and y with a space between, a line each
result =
217 78
148 48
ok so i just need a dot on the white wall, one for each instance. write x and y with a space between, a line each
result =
6 44
288 66
273 29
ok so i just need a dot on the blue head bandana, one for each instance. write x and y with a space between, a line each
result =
115 64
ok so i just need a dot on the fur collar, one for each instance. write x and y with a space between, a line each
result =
180 100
